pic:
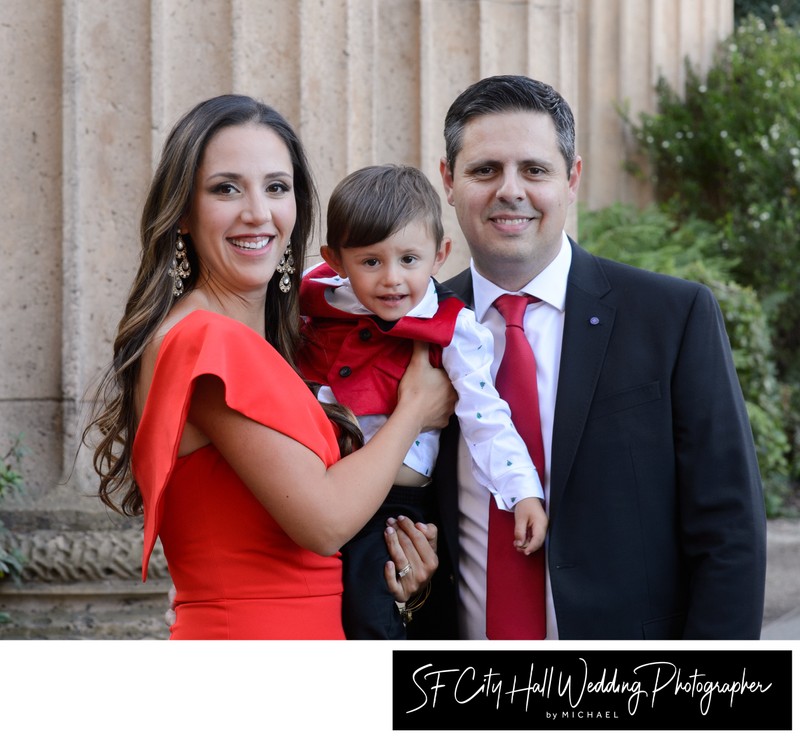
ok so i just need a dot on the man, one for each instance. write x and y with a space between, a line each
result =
657 525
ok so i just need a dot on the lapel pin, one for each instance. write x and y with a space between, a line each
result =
594 320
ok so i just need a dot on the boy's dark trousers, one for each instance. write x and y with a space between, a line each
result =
368 608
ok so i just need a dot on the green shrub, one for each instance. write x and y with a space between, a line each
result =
765 9
11 560
727 150
656 240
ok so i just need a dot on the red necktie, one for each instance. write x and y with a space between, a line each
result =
515 583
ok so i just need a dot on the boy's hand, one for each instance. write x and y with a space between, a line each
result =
530 525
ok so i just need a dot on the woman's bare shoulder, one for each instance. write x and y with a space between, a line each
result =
147 364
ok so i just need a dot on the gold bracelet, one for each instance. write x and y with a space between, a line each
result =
407 609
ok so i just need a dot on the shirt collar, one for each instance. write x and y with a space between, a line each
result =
550 285
340 295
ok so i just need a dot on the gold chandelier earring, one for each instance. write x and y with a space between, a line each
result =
180 269
286 267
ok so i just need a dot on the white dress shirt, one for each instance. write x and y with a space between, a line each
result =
544 328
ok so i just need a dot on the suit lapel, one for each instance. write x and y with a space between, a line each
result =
461 284
588 323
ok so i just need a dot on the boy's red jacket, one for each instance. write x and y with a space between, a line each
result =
360 357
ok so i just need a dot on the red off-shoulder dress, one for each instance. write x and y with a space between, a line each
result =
237 574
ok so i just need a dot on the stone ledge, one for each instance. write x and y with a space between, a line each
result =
84 584
66 556
84 612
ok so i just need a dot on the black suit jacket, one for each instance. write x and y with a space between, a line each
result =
657 524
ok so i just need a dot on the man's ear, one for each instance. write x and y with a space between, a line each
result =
447 179
442 254
331 257
575 179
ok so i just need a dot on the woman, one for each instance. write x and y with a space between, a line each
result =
208 429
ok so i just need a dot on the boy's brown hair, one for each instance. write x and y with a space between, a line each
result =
372 203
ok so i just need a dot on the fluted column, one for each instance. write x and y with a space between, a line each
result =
106 165
30 240
625 45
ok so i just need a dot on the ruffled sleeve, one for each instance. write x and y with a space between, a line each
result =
258 383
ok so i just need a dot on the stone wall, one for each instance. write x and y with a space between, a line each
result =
89 90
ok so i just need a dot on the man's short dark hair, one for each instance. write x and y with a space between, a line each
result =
509 94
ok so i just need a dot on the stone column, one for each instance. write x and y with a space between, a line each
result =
83 577
625 46
31 238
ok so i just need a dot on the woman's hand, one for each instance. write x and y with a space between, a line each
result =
429 390
412 548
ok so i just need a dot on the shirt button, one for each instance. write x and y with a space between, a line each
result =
345 371
365 334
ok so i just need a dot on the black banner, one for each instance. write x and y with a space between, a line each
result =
585 690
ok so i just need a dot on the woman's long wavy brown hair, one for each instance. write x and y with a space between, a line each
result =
151 298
